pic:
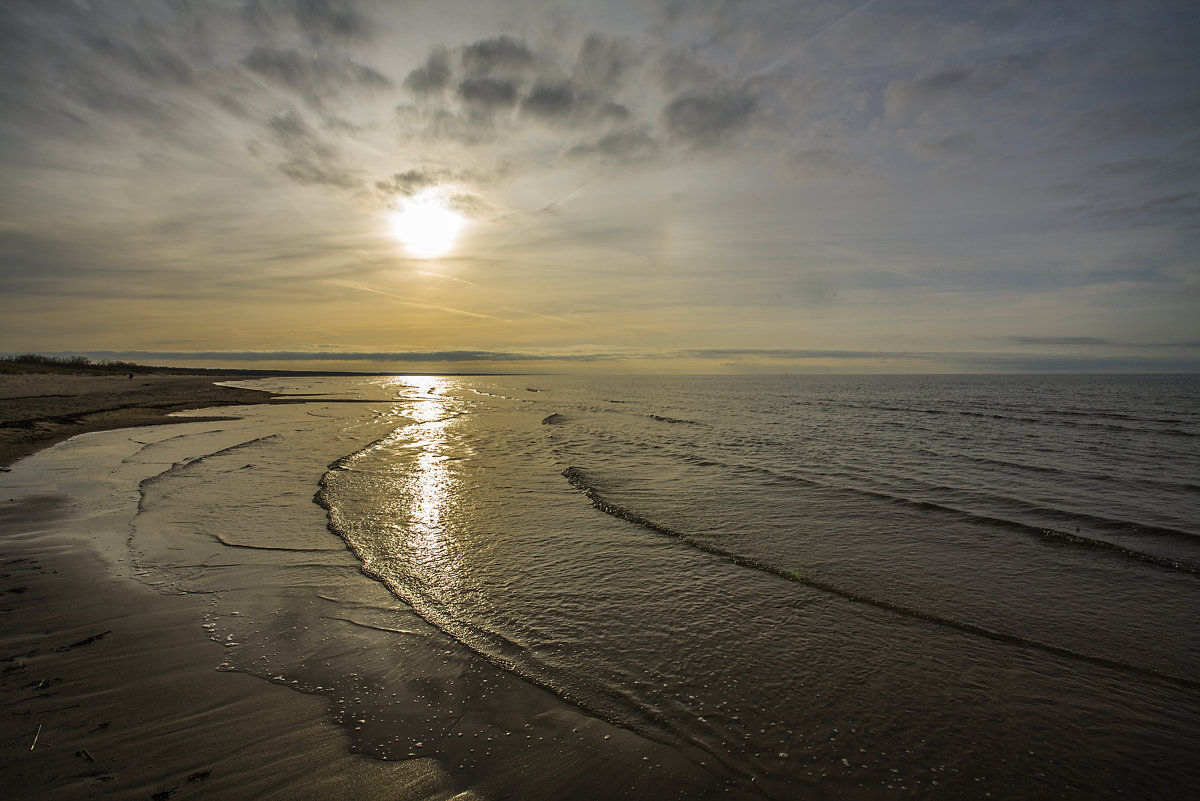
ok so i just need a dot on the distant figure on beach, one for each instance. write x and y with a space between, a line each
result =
131 376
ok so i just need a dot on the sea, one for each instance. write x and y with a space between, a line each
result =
814 586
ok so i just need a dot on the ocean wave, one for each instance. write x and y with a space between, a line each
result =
580 480
665 419
1032 416
1118 527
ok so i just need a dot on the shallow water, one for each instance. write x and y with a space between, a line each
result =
816 586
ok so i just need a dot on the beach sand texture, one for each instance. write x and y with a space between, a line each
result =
37 410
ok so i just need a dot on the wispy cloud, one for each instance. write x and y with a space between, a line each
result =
407 301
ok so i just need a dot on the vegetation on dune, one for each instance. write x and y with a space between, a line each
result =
70 362
37 363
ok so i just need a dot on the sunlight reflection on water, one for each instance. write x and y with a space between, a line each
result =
427 490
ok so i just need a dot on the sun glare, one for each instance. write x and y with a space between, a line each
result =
426 226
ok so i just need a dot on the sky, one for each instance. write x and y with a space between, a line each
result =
653 186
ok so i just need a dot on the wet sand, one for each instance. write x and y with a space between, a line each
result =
38 410
111 689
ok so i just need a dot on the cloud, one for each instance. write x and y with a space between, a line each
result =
708 119
442 124
1026 340
33 263
325 19
818 162
472 206
319 21
148 61
679 70
604 62
549 100
487 94
956 144
493 76
417 180
313 77
939 82
350 356
562 102
501 54
411 182
432 76
308 159
592 88
635 145
1177 209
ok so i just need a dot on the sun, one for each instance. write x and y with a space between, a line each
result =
426 226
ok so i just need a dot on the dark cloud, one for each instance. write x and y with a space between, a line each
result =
308 160
709 119
411 182
564 103
501 54
551 100
603 62
313 77
487 93
432 76
323 19
414 181
498 74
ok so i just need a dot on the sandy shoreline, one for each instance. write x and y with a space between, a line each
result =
38 410
111 689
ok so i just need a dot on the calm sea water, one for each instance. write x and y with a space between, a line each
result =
816 586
